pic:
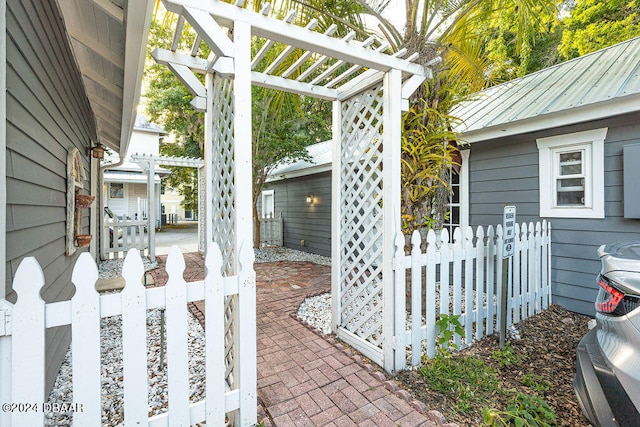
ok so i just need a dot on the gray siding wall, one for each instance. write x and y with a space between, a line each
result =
506 171
301 220
47 114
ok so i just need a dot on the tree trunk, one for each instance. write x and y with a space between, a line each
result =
256 226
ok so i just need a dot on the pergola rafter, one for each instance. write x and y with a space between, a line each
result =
369 88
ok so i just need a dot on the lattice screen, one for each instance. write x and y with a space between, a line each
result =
361 216
224 218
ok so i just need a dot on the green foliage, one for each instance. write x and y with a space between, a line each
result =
428 148
506 356
596 24
535 383
523 411
448 327
465 379
282 124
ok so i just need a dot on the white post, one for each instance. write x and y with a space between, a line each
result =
5 340
392 121
246 317
208 165
335 216
151 207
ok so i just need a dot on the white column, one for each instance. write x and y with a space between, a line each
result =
392 121
208 165
246 316
335 216
151 206
464 191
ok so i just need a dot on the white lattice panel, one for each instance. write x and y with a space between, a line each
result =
224 216
361 216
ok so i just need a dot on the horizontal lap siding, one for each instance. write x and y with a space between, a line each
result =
47 115
506 171
301 220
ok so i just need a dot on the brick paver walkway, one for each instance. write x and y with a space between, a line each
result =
305 378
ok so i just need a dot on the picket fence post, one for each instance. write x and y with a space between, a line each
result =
457 277
479 283
28 343
430 295
416 297
214 344
85 324
445 259
400 309
468 286
134 341
531 288
177 344
491 279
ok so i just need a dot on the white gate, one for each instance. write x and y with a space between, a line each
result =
271 230
465 280
31 316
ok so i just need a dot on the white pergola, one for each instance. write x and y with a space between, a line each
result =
148 163
369 89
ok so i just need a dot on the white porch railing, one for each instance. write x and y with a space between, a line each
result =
271 231
124 234
30 317
462 279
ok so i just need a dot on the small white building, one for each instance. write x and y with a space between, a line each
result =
125 186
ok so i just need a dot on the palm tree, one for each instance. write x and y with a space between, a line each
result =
458 32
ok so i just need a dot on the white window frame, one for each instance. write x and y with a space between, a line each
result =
591 143
265 194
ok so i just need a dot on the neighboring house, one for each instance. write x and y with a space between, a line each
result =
71 74
301 193
561 144
125 186
552 143
172 207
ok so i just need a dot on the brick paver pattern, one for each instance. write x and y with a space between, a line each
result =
305 378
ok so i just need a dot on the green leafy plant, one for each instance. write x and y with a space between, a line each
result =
467 380
535 383
523 411
506 356
448 327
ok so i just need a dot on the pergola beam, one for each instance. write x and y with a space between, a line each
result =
293 35
210 31
287 85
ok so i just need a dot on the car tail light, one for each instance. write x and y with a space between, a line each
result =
613 301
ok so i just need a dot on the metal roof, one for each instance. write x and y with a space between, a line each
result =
320 154
600 84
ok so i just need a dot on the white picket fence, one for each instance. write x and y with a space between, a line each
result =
31 316
271 231
126 234
462 279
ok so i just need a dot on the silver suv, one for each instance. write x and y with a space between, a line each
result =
607 380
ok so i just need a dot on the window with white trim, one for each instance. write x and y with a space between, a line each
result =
571 170
268 204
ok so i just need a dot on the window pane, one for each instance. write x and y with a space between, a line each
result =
570 192
571 163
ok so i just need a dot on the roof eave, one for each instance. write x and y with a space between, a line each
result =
138 22
601 110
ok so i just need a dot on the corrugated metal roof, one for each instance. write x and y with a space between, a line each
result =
594 80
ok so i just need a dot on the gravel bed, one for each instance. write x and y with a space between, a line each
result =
112 372
113 267
286 254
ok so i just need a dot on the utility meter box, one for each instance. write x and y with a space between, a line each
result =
631 181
